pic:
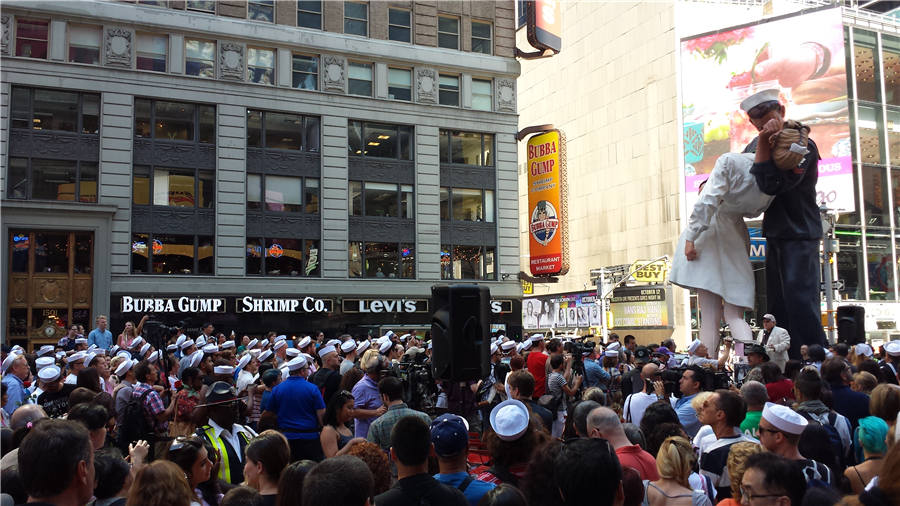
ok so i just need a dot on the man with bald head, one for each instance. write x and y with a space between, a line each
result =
604 423
636 403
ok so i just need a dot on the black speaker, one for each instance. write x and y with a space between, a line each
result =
460 332
851 324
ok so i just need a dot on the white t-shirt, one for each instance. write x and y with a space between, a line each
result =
635 404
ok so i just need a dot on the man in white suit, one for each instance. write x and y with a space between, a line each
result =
775 340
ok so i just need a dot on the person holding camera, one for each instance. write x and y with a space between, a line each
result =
653 390
559 389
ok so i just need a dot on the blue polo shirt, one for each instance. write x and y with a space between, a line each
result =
686 415
474 492
296 402
594 375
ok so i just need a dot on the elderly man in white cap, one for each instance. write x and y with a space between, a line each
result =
775 340
780 428
699 355
792 225
348 350
296 408
15 372
890 366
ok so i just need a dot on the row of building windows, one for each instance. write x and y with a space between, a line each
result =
356 21
200 61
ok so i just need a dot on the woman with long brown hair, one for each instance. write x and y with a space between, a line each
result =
130 333
161 483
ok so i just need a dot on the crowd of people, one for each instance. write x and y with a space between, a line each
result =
216 420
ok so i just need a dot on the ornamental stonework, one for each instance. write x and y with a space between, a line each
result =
426 86
334 72
231 61
506 95
6 21
117 47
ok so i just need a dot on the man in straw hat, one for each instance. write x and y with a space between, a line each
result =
792 225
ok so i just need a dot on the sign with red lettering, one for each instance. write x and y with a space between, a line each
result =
547 195
544 24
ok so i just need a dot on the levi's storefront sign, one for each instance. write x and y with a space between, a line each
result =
547 198
384 305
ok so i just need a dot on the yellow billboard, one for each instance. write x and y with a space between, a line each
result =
547 199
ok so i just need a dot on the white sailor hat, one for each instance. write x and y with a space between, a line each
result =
223 369
292 352
527 344
114 349
253 342
124 367
537 337
242 363
265 355
863 349
494 348
49 373
181 339
333 342
137 342
100 351
308 357
297 363
281 337
614 346
88 358
63 341
362 346
201 341
80 340
390 334
228 344
404 337
76 357
92 347
42 362
172 347
145 348
385 346
694 345
784 418
759 98
154 357
348 346
507 345
124 353
196 358
60 354
264 343
187 344
892 348
430 344
304 342
510 419
209 349
325 350
611 353
520 347
44 350
279 345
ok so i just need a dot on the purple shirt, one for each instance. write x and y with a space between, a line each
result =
366 396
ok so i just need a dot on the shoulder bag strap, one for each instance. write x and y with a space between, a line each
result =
465 484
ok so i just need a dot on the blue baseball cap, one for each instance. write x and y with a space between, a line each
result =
450 435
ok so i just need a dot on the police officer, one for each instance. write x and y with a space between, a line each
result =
226 436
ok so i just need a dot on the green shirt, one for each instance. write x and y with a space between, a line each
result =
750 425
380 430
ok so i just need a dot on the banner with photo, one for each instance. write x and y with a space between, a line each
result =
569 310
800 55
632 307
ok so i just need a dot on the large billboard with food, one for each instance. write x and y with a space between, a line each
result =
547 197
803 57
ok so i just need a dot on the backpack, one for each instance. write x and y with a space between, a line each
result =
818 437
135 423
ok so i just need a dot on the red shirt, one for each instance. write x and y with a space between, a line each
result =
641 461
779 390
537 364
